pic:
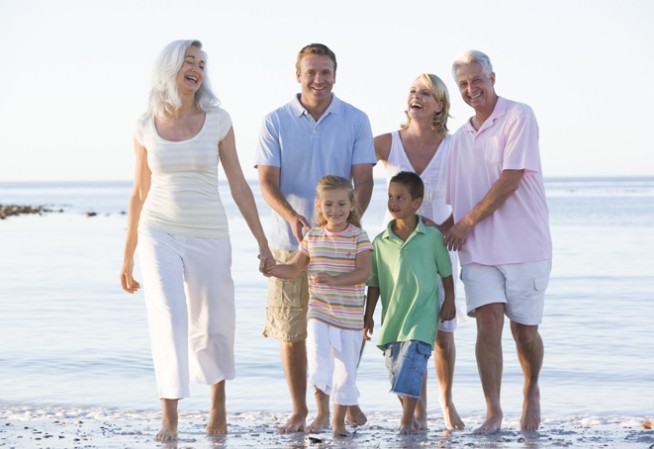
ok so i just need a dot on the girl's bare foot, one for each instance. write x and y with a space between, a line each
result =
319 424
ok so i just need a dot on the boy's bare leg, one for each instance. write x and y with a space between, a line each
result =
530 353
420 414
338 424
294 359
490 321
322 420
444 357
407 423
217 423
355 417
168 430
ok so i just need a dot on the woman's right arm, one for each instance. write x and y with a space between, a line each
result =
142 178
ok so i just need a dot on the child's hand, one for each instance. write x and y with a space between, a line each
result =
368 326
323 278
448 310
267 265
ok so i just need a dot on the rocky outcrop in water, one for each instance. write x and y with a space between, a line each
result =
11 209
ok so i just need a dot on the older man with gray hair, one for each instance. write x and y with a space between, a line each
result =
499 225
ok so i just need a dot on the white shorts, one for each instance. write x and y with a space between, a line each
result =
333 355
520 286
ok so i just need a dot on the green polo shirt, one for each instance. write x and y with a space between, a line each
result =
405 273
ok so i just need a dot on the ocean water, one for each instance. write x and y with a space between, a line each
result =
70 337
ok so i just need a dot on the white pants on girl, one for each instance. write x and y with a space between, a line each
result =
333 356
189 295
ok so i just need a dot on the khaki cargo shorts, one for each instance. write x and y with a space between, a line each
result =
288 302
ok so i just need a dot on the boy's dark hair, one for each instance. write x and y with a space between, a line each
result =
412 182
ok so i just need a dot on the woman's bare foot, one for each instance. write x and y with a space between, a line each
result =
217 422
355 417
452 419
340 430
492 424
319 424
530 420
168 430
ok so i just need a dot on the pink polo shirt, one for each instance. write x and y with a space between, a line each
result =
518 231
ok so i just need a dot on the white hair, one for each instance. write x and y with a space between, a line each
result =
472 57
164 96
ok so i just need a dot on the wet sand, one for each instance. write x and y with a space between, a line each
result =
54 427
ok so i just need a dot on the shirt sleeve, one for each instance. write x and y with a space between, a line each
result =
373 280
138 132
224 124
442 257
521 147
269 150
364 149
363 242
304 245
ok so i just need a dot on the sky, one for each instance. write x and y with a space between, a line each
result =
76 74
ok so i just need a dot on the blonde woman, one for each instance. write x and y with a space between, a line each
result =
422 146
176 216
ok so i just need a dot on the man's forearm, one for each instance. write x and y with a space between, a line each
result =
503 188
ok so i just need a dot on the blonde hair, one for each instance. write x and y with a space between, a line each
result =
439 91
331 182
164 96
315 49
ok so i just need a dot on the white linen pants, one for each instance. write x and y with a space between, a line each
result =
189 294
333 356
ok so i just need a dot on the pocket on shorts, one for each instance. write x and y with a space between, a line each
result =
494 149
541 283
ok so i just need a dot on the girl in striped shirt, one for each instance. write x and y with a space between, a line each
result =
337 253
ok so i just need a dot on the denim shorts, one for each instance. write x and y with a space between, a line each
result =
407 362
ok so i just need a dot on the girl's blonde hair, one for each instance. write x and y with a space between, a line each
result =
439 90
331 182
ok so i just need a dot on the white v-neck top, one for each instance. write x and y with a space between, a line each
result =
183 197
433 204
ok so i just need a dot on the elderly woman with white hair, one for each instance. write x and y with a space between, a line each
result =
176 215
422 147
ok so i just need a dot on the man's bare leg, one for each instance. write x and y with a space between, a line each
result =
355 417
530 353
490 321
338 424
420 413
217 423
444 358
168 430
294 359
322 420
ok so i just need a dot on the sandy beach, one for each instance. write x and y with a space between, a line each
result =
59 427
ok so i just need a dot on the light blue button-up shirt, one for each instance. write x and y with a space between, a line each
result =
306 150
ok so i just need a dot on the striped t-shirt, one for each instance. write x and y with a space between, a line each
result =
183 197
335 253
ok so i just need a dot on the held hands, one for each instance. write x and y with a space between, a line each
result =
126 280
448 310
266 263
368 326
297 223
324 278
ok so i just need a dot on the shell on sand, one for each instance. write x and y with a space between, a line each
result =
647 425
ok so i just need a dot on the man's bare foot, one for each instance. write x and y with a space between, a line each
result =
168 430
217 422
296 423
420 423
355 417
319 424
530 420
408 428
492 424
452 419
340 430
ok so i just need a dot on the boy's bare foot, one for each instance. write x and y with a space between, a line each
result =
420 423
319 424
296 423
355 417
530 420
492 424
340 430
408 428
168 430
452 419
217 422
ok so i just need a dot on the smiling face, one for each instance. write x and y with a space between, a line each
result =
189 77
421 102
477 88
400 204
335 206
317 77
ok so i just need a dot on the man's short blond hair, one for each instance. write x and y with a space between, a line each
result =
315 49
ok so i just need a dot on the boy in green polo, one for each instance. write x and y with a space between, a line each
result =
407 257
